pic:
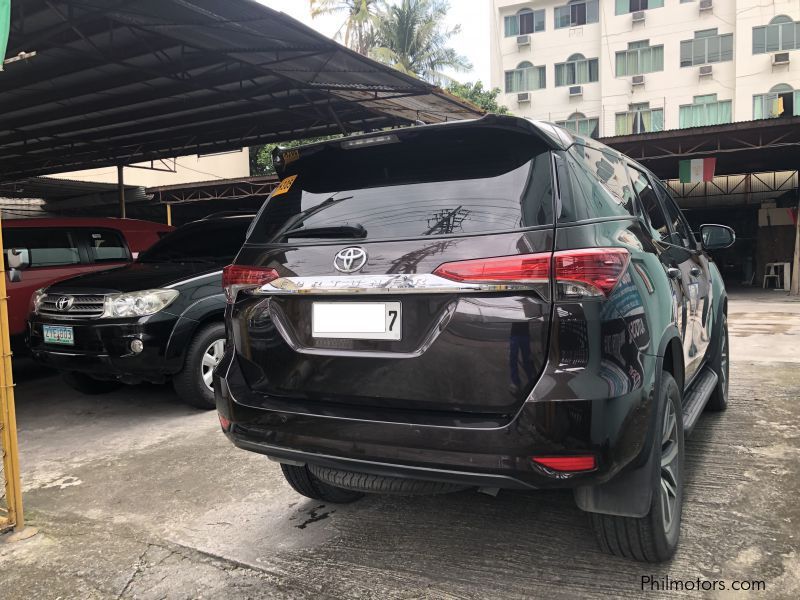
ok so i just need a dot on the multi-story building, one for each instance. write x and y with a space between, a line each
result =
616 67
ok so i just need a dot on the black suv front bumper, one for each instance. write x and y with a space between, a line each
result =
102 347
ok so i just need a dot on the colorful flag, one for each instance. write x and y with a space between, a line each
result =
697 170
5 25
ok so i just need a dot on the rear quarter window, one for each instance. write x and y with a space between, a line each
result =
597 185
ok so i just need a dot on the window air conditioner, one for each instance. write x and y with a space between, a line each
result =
639 16
706 71
781 58
706 5
575 90
637 80
523 40
523 97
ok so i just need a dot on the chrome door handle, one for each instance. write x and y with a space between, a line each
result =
673 273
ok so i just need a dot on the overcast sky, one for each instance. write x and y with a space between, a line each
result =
472 42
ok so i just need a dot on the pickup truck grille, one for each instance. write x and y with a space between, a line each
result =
80 307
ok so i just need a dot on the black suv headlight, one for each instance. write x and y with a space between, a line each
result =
137 304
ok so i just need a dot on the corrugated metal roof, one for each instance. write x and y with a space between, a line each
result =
118 82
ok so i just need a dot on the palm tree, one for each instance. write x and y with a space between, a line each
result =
411 37
359 22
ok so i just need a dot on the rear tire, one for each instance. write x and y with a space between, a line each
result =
304 483
654 537
721 365
204 352
87 384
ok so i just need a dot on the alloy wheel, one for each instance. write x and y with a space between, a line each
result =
211 358
670 466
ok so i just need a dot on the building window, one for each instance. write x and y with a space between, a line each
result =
577 70
524 22
629 6
579 124
706 47
640 58
706 110
525 78
577 12
640 118
781 34
780 101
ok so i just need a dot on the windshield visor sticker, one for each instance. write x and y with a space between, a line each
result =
284 186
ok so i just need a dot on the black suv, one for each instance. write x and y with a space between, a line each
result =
156 319
493 303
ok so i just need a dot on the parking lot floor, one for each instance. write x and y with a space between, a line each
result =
137 496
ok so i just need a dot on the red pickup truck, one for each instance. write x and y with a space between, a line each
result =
58 248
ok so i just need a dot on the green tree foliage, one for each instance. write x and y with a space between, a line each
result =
359 24
411 37
474 92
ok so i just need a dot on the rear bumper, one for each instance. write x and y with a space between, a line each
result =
448 449
102 349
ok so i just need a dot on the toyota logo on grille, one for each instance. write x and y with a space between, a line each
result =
64 303
350 259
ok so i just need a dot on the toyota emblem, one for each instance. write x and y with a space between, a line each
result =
350 260
64 303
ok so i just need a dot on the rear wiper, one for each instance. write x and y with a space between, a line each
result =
356 231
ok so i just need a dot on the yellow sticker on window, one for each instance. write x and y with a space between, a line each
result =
284 186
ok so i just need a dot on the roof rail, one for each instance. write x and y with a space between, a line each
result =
229 213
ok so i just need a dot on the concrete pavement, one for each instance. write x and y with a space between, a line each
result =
139 496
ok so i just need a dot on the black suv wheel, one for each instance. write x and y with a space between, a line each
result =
654 537
194 383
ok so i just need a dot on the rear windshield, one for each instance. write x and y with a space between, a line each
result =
203 241
433 184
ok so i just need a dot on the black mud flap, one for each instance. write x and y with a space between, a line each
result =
629 494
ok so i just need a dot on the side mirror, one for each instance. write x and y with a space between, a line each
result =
717 237
19 258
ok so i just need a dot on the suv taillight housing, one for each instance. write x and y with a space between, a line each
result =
241 277
582 273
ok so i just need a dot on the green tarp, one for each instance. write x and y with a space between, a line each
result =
5 21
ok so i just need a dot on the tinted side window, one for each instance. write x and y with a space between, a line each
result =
106 245
683 235
597 186
651 206
47 247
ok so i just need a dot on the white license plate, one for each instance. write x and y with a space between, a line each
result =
356 320
58 334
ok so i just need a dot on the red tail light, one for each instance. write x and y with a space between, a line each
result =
566 463
240 277
577 273
522 268
589 271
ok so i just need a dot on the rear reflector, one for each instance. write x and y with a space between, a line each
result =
587 272
224 423
566 463
520 268
240 277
